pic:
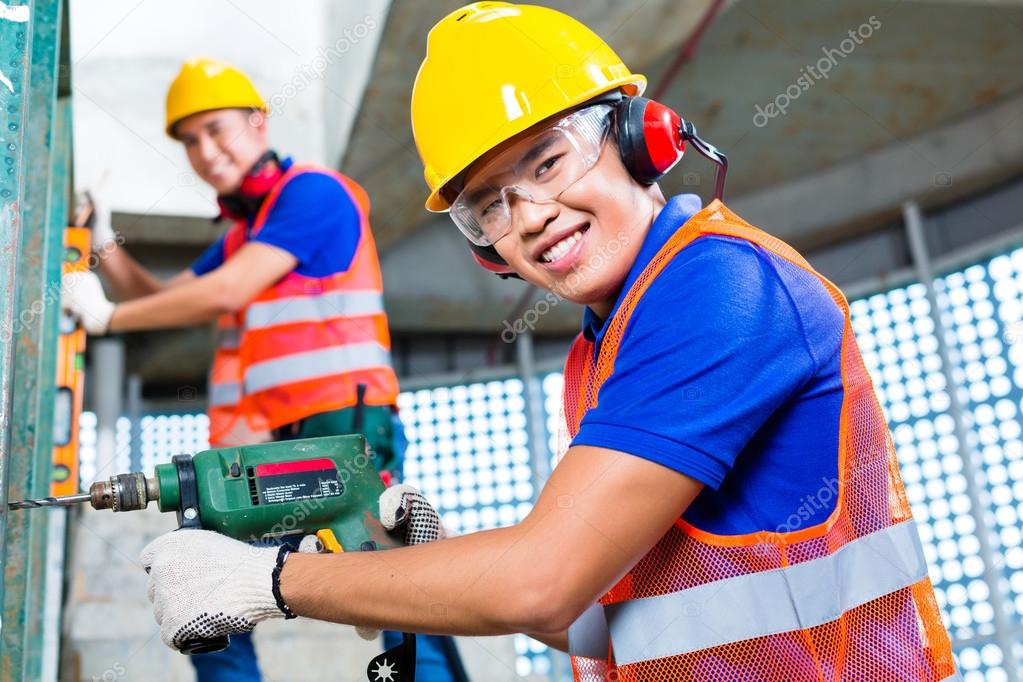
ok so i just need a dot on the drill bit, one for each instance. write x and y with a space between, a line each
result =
65 501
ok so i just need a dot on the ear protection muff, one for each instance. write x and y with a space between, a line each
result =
651 139
649 136
486 257
257 183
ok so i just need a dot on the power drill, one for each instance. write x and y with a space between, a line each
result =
327 486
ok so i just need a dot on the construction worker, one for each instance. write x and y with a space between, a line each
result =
729 506
303 347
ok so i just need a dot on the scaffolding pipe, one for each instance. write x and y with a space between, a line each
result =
539 454
921 261
540 460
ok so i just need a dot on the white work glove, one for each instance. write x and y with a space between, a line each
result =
404 506
82 295
103 236
203 584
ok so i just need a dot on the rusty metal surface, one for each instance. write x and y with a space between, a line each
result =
14 65
44 165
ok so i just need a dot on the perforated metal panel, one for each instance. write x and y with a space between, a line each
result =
981 311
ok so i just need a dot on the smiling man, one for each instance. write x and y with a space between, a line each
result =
715 383
303 346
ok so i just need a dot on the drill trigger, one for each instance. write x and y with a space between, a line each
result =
330 543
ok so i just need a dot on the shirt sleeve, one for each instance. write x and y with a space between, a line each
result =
316 221
713 348
210 259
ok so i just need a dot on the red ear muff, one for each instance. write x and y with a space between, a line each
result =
255 186
264 175
649 138
488 259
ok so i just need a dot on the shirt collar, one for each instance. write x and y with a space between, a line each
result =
676 211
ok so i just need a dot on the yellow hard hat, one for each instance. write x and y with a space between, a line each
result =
205 84
494 69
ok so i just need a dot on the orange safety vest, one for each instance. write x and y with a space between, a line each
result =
305 344
847 599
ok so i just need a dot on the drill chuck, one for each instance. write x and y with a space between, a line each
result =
124 492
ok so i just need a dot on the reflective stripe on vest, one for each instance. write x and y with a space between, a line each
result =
313 308
315 364
221 394
588 635
796 597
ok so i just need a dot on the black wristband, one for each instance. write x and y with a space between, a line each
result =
282 556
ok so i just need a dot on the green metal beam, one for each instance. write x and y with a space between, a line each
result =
44 212
14 64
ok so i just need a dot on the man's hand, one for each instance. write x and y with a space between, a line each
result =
203 584
103 236
402 506
82 295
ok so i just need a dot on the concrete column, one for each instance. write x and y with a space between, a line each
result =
106 385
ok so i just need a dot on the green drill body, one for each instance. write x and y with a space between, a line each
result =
253 492
327 486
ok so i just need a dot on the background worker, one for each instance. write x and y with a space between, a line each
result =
715 386
303 347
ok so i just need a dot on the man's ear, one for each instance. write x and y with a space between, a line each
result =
257 120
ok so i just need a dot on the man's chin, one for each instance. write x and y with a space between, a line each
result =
225 188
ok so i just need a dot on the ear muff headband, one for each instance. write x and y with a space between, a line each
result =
256 184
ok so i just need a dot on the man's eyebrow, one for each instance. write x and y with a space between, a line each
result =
535 151
476 195
539 148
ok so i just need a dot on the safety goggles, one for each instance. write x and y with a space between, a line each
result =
538 169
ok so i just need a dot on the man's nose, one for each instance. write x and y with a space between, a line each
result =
208 149
530 216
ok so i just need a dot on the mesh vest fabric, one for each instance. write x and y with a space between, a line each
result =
858 625
305 344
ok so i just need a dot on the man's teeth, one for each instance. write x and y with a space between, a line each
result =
562 247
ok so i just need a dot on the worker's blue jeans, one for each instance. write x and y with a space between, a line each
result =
238 663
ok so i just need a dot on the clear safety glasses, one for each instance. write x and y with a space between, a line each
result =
537 169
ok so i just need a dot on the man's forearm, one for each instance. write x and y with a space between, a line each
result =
193 302
479 584
128 278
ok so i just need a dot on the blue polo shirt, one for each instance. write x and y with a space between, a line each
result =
729 372
314 219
